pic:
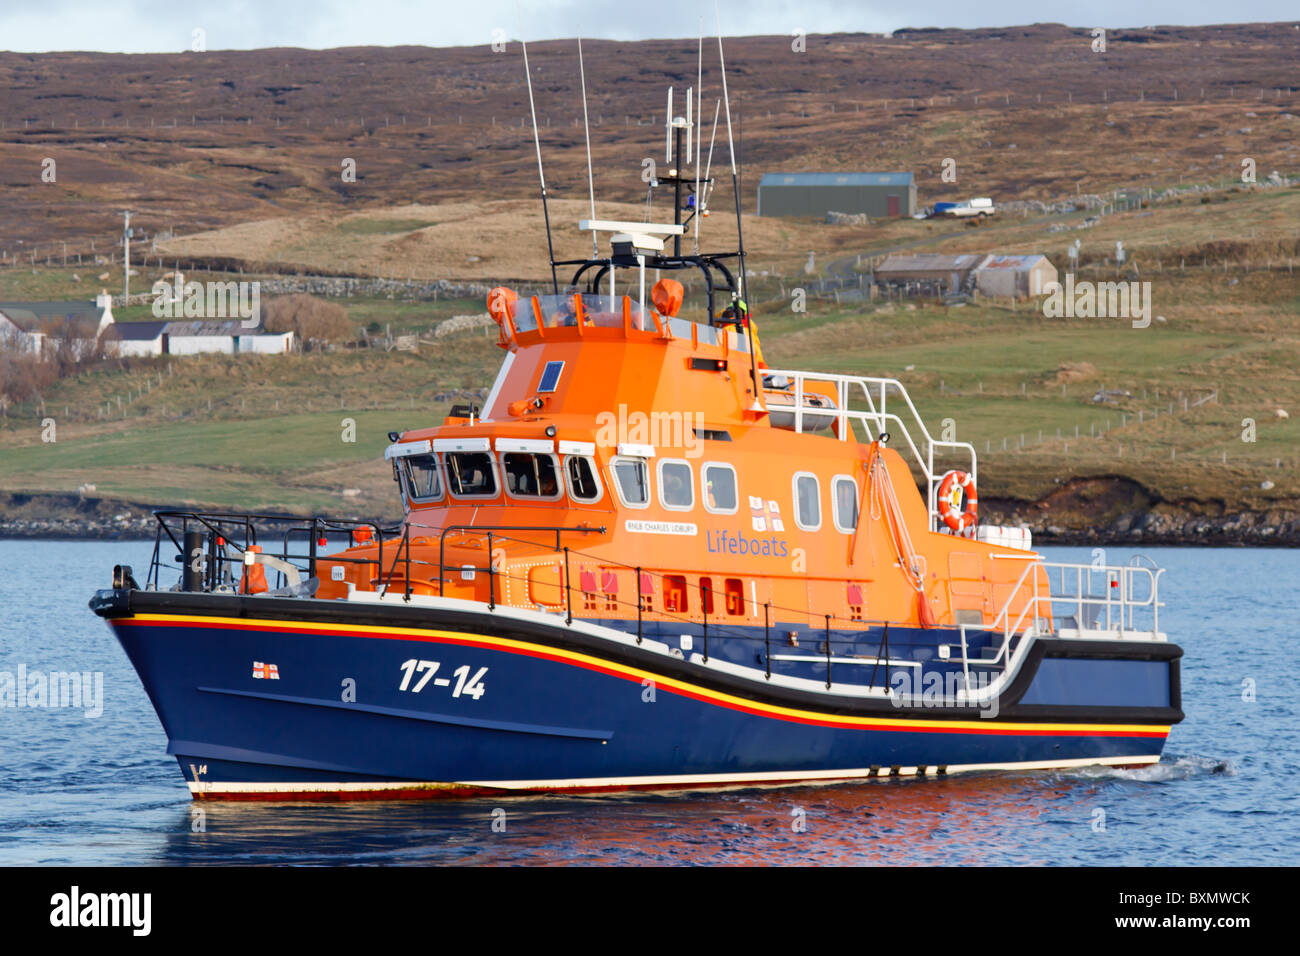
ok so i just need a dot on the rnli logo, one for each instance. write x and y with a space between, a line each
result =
763 518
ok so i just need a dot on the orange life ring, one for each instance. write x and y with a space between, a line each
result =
952 486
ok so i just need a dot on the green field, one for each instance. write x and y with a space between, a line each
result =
265 431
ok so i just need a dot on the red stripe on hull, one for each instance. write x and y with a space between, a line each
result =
1005 730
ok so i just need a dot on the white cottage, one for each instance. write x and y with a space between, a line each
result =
37 327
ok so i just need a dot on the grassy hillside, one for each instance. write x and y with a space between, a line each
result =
266 431
248 432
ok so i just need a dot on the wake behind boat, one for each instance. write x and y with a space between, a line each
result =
648 560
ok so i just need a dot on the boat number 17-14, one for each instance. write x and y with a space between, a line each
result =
465 685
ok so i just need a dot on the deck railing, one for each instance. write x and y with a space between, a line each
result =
226 537
1107 602
876 420
1099 602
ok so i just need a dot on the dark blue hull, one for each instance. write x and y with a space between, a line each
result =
265 698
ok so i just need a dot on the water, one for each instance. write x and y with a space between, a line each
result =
102 791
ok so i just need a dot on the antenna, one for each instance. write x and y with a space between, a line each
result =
699 98
712 135
668 129
740 238
722 63
541 176
699 116
591 182
690 150
731 147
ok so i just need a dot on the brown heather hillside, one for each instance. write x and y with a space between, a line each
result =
197 141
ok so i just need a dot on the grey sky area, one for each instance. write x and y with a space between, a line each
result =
164 26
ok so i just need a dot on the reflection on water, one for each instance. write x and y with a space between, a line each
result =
962 820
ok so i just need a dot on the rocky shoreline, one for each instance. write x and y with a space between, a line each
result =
1107 510
1113 509
62 516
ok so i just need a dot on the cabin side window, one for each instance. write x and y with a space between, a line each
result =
530 475
718 488
844 490
676 485
807 503
632 478
581 474
470 474
423 482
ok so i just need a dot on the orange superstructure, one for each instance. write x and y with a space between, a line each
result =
644 435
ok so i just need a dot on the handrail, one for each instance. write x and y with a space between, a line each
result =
234 527
877 415
557 530
1118 577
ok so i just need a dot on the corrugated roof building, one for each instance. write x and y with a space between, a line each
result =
951 271
878 195
1015 276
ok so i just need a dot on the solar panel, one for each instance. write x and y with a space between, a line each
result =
550 376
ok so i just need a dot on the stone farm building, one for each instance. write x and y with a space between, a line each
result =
1016 276
947 272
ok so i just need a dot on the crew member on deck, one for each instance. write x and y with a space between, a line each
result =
738 314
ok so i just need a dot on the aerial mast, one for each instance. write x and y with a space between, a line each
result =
740 238
541 176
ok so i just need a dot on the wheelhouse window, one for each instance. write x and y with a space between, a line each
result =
807 503
676 485
718 487
845 492
470 474
423 481
633 480
581 474
530 475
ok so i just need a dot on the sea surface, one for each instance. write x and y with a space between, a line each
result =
101 790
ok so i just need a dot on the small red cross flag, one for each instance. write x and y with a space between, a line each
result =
265 671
